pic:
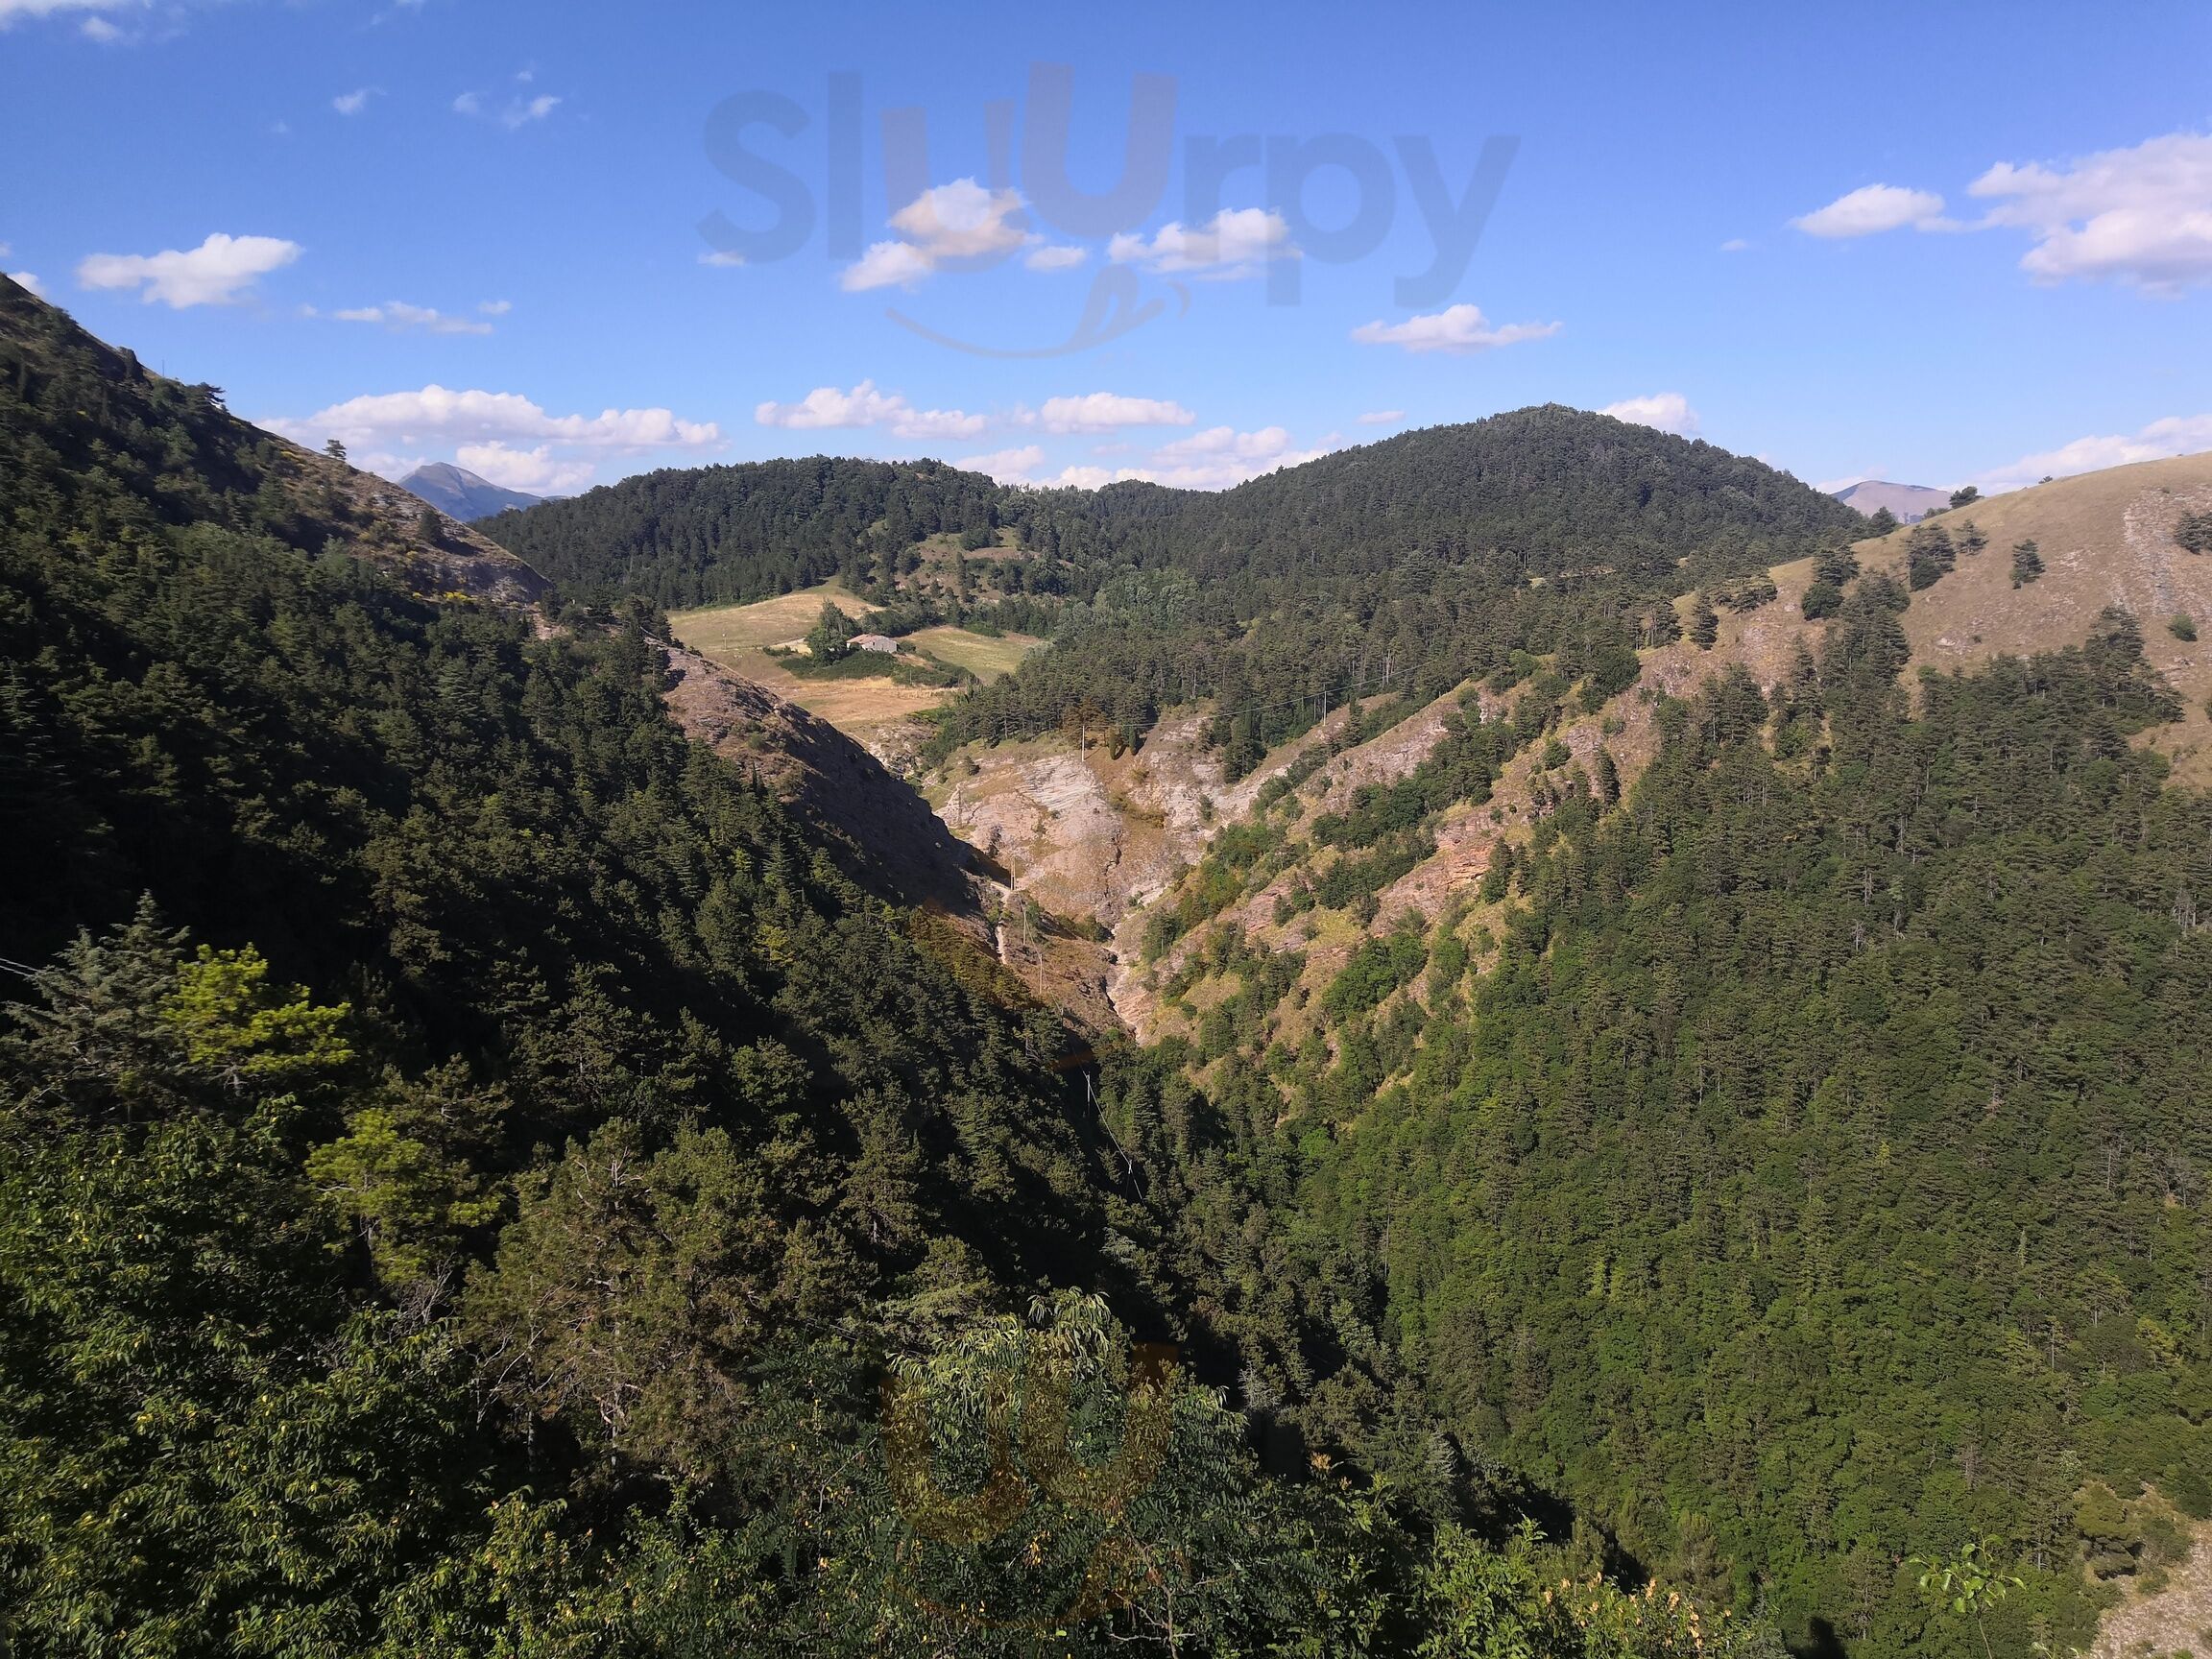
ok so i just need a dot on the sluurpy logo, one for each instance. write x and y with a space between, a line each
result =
1015 1486
763 143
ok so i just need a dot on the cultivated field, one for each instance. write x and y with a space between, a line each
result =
738 637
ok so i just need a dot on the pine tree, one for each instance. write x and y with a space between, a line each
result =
1704 623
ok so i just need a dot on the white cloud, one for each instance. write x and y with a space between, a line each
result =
721 257
401 318
1873 209
1008 466
1734 245
1107 411
495 307
959 221
886 265
2142 215
1055 258
1383 418
962 221
12 10
1835 486
354 102
1221 456
2174 435
392 421
1668 411
1216 458
1459 328
516 112
216 273
25 279
1084 478
535 472
100 29
1236 242
864 405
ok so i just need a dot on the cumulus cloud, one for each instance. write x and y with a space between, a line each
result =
535 472
1668 411
1055 258
957 222
1216 458
1108 411
1008 466
2174 435
354 102
721 257
515 114
501 435
401 318
96 28
1873 209
1734 245
886 265
1383 418
495 307
1457 329
1236 242
2141 215
25 279
864 405
217 273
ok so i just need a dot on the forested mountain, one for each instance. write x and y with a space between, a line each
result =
477 1179
476 1176
715 535
1797 1156
1408 564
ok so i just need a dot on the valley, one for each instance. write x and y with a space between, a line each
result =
1647 1046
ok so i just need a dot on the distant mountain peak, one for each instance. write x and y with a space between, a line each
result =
1908 503
459 494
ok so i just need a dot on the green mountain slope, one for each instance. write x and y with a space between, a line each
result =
478 1179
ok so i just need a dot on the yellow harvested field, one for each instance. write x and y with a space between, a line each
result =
982 655
739 637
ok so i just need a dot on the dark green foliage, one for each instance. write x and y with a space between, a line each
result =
2194 532
2026 563
2182 626
1377 968
1965 496
1704 623
1929 556
832 635
720 535
1835 566
1846 1101
1821 602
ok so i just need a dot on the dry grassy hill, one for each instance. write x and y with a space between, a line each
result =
2105 538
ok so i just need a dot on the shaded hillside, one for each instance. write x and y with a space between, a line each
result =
90 437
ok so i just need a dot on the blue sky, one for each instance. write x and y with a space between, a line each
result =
468 230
